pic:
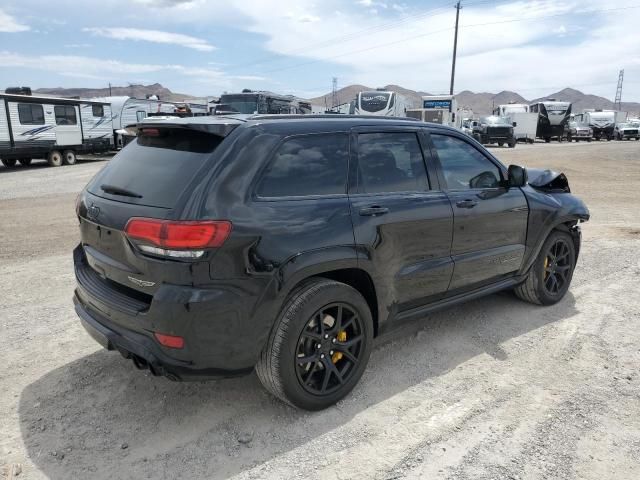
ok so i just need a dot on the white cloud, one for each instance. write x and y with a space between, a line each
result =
114 70
8 24
155 36
77 45
496 50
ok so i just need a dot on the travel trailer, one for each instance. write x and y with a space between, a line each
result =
442 109
602 122
250 102
56 129
128 111
553 118
381 102
525 123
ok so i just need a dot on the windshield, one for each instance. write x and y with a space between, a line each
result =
495 121
374 101
238 104
521 109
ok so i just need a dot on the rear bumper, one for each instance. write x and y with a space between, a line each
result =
143 350
222 333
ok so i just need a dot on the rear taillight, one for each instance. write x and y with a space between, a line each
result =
178 239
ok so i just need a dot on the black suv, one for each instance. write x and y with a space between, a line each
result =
212 246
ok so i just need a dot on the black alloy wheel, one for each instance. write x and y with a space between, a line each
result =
558 264
329 349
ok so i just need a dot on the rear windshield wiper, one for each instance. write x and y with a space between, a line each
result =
113 190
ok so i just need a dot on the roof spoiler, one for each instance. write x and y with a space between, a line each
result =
221 126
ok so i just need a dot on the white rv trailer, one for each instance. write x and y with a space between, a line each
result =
127 111
442 109
525 123
602 122
553 118
53 128
381 102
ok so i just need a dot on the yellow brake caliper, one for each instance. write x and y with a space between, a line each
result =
341 337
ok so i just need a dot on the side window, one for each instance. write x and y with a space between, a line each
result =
463 166
390 162
65 115
309 165
30 114
141 115
97 110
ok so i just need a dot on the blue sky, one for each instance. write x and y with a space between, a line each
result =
205 47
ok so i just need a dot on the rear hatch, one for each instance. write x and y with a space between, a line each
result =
150 180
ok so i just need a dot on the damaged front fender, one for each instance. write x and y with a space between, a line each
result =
548 180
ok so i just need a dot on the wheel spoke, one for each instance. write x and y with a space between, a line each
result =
325 379
312 370
347 354
307 359
331 368
312 335
338 324
349 343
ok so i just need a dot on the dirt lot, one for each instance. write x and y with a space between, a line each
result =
495 388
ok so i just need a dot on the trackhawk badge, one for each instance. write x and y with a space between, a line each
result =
93 212
141 283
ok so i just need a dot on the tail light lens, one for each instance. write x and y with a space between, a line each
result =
169 341
178 239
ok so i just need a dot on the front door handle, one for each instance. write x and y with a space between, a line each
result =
373 210
466 203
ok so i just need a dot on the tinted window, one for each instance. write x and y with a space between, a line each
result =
30 114
309 165
157 167
390 162
463 166
65 114
97 110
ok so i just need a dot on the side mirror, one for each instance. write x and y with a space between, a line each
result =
515 124
517 176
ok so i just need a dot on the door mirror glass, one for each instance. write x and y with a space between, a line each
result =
517 176
515 124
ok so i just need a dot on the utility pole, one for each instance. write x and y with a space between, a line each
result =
455 49
109 88
618 101
334 93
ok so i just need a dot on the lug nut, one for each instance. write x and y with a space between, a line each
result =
326 335
318 346
331 352
333 341
322 355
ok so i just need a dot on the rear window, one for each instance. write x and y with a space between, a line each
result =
155 168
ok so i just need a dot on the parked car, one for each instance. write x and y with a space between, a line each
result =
467 126
211 246
494 129
577 132
624 131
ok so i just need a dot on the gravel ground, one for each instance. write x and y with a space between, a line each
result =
495 388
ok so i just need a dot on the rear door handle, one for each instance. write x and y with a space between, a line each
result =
373 210
466 204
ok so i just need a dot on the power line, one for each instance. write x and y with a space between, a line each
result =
499 22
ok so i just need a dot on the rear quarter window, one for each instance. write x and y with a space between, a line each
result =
156 167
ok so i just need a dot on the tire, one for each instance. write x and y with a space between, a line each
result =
547 139
589 140
9 162
501 144
538 287
54 158
25 162
570 138
512 144
294 337
69 157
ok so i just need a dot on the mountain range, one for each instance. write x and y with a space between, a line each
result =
135 91
481 103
